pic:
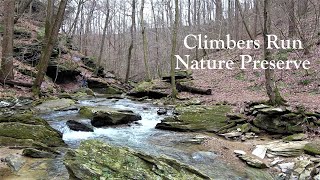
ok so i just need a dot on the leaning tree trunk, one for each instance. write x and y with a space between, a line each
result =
174 92
47 50
7 43
271 87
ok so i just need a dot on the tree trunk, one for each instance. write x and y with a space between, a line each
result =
103 38
73 28
133 17
256 14
219 11
292 21
302 7
145 43
174 92
49 44
88 22
189 13
7 43
243 20
23 7
272 90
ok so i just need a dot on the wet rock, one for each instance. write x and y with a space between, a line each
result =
194 140
312 148
78 126
104 116
54 105
62 73
162 111
204 156
35 153
15 162
97 160
196 119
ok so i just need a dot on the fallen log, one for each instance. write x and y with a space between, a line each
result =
17 83
194 90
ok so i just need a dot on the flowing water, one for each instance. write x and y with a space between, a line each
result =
142 136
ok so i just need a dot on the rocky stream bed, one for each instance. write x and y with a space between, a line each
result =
116 138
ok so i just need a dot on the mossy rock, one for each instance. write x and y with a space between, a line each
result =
312 148
97 160
112 90
281 124
197 118
54 105
26 118
104 116
295 137
40 133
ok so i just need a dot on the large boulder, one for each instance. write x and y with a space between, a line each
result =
26 130
97 160
155 89
312 148
104 116
196 118
54 105
78 126
282 124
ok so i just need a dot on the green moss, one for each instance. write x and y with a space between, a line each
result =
86 112
25 118
312 148
39 133
144 86
97 160
245 127
112 90
295 137
200 118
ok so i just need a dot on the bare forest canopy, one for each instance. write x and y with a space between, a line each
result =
242 19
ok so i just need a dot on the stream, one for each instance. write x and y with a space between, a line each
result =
141 136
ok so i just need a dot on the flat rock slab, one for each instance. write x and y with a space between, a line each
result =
54 105
97 160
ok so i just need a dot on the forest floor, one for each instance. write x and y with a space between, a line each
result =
298 87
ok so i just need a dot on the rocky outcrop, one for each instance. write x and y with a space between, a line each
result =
54 105
26 130
196 118
155 89
104 116
97 160
312 148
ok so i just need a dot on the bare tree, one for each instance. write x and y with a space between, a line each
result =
173 50
52 31
133 18
145 43
103 37
7 43
271 87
